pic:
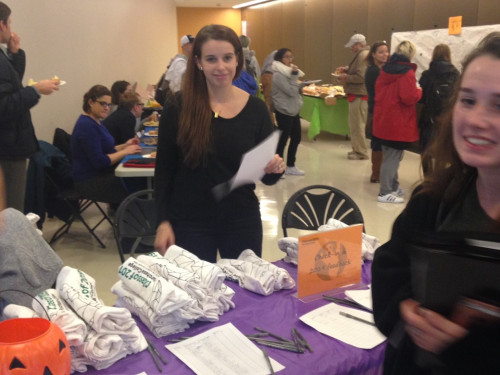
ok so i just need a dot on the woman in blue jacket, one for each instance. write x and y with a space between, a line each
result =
95 153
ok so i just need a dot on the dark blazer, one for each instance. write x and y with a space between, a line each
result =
17 135
121 125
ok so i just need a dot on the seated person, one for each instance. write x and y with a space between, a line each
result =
118 89
29 265
95 153
121 123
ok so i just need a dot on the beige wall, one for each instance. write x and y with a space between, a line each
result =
317 30
191 20
94 41
90 42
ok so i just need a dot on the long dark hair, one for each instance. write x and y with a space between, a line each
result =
448 172
369 58
117 89
194 134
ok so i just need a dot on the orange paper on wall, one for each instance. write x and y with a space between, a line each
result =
329 260
455 25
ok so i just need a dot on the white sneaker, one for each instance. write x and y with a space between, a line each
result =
390 198
294 171
399 193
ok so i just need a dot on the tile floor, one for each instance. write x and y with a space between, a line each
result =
324 161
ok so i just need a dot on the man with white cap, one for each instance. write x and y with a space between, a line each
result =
353 78
175 70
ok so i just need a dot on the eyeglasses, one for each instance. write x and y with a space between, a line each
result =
105 104
288 56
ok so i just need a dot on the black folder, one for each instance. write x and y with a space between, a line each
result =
446 267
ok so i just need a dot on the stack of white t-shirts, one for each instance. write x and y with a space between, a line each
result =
159 325
290 245
112 333
369 243
153 298
259 270
186 280
50 305
248 275
211 275
12 311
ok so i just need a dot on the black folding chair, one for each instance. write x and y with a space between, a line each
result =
135 223
312 206
77 206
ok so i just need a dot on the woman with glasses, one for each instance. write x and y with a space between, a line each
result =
286 97
94 151
201 143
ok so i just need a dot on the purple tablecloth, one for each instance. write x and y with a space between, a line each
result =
277 313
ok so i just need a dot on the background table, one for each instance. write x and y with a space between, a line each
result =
331 118
124 172
277 313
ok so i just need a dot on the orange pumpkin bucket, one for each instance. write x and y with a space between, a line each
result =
33 346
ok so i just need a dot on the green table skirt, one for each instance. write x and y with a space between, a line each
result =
331 118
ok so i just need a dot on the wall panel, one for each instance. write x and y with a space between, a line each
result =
488 12
388 16
317 39
293 29
431 14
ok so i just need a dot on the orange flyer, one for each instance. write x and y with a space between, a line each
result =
455 25
329 260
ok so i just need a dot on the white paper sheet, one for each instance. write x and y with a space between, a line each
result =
363 297
252 166
327 320
223 350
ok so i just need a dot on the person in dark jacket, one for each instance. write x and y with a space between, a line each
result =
376 58
17 135
395 117
437 84
121 123
458 195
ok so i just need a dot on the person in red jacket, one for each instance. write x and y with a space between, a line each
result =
395 117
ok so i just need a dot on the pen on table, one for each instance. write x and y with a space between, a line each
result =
303 340
356 318
268 360
297 341
347 302
277 345
158 365
150 343
272 335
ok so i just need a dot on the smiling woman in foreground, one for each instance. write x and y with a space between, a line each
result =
459 195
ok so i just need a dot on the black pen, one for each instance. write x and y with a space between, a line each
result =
273 335
347 302
303 340
158 365
268 360
356 318
150 343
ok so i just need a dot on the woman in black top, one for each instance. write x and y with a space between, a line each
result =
459 194
437 85
376 58
200 146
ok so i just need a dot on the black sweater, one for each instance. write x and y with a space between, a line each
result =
183 193
391 284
